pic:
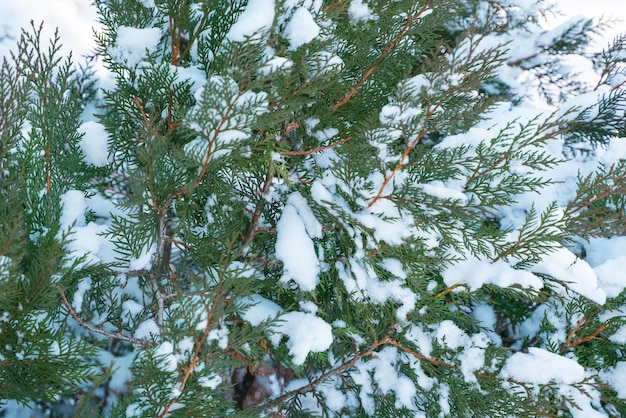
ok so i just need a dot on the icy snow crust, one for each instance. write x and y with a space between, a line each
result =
298 231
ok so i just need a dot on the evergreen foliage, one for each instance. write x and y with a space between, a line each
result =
338 208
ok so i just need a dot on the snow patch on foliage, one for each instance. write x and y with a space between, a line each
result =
294 247
144 260
306 333
258 309
540 366
147 329
577 274
616 378
94 143
360 12
611 276
132 45
275 64
257 16
168 361
387 221
301 29
475 272
74 206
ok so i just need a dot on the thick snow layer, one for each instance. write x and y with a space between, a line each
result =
147 329
540 366
578 276
301 29
94 143
306 333
258 309
256 17
74 205
611 276
616 378
132 44
475 272
295 249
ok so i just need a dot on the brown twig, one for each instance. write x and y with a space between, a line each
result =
386 51
333 6
317 149
405 154
448 290
609 191
99 330
571 342
336 371
198 346
370 351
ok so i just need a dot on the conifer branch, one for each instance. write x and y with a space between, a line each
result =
336 371
405 154
609 191
99 330
212 141
448 290
256 216
572 342
198 345
370 351
253 229
48 169
410 20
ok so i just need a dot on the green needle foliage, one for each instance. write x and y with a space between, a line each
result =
318 208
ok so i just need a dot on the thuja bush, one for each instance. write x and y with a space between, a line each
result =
315 208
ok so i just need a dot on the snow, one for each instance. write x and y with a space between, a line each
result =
311 224
390 380
144 260
380 291
387 222
94 143
258 16
475 272
360 12
210 382
450 335
168 361
74 205
616 378
79 295
75 20
611 276
132 45
540 366
295 249
275 64
147 329
306 333
258 309
577 274
301 29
